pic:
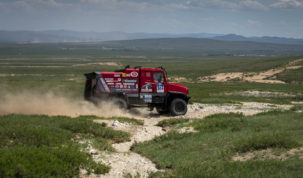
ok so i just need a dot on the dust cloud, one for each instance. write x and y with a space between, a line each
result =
53 103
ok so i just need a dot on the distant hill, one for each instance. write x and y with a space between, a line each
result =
59 36
204 45
265 39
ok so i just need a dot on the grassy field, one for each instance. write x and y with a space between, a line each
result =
209 152
292 76
228 92
52 67
38 145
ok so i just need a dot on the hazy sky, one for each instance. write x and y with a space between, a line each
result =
244 17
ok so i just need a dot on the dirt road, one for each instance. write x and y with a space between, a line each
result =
268 76
123 161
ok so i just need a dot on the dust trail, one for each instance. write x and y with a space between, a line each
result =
52 103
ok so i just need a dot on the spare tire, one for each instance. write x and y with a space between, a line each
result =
178 107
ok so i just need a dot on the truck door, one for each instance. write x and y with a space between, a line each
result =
153 86
159 87
158 82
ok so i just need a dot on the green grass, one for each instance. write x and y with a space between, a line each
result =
265 140
214 92
292 76
55 68
297 107
217 122
208 152
42 146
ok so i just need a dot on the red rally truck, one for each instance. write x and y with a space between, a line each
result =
138 86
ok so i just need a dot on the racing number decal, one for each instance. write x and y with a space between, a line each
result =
160 88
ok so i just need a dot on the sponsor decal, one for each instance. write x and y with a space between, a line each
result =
110 83
160 88
123 74
128 84
147 88
134 74
119 79
109 79
117 75
148 98
130 80
125 90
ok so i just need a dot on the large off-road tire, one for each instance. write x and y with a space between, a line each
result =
121 103
178 107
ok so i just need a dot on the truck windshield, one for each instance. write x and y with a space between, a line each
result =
158 77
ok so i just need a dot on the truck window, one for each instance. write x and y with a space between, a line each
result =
158 77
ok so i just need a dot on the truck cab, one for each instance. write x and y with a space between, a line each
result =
138 86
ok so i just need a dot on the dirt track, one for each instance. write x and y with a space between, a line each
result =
124 161
261 77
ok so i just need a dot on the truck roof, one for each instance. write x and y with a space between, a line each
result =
144 69
128 68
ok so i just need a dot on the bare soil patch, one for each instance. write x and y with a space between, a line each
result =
268 76
179 79
186 130
124 161
268 154
262 94
198 110
223 77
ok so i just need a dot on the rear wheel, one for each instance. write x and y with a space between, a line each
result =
121 103
178 107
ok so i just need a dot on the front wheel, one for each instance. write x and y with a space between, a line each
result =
178 107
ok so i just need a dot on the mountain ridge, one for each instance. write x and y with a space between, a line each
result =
61 36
